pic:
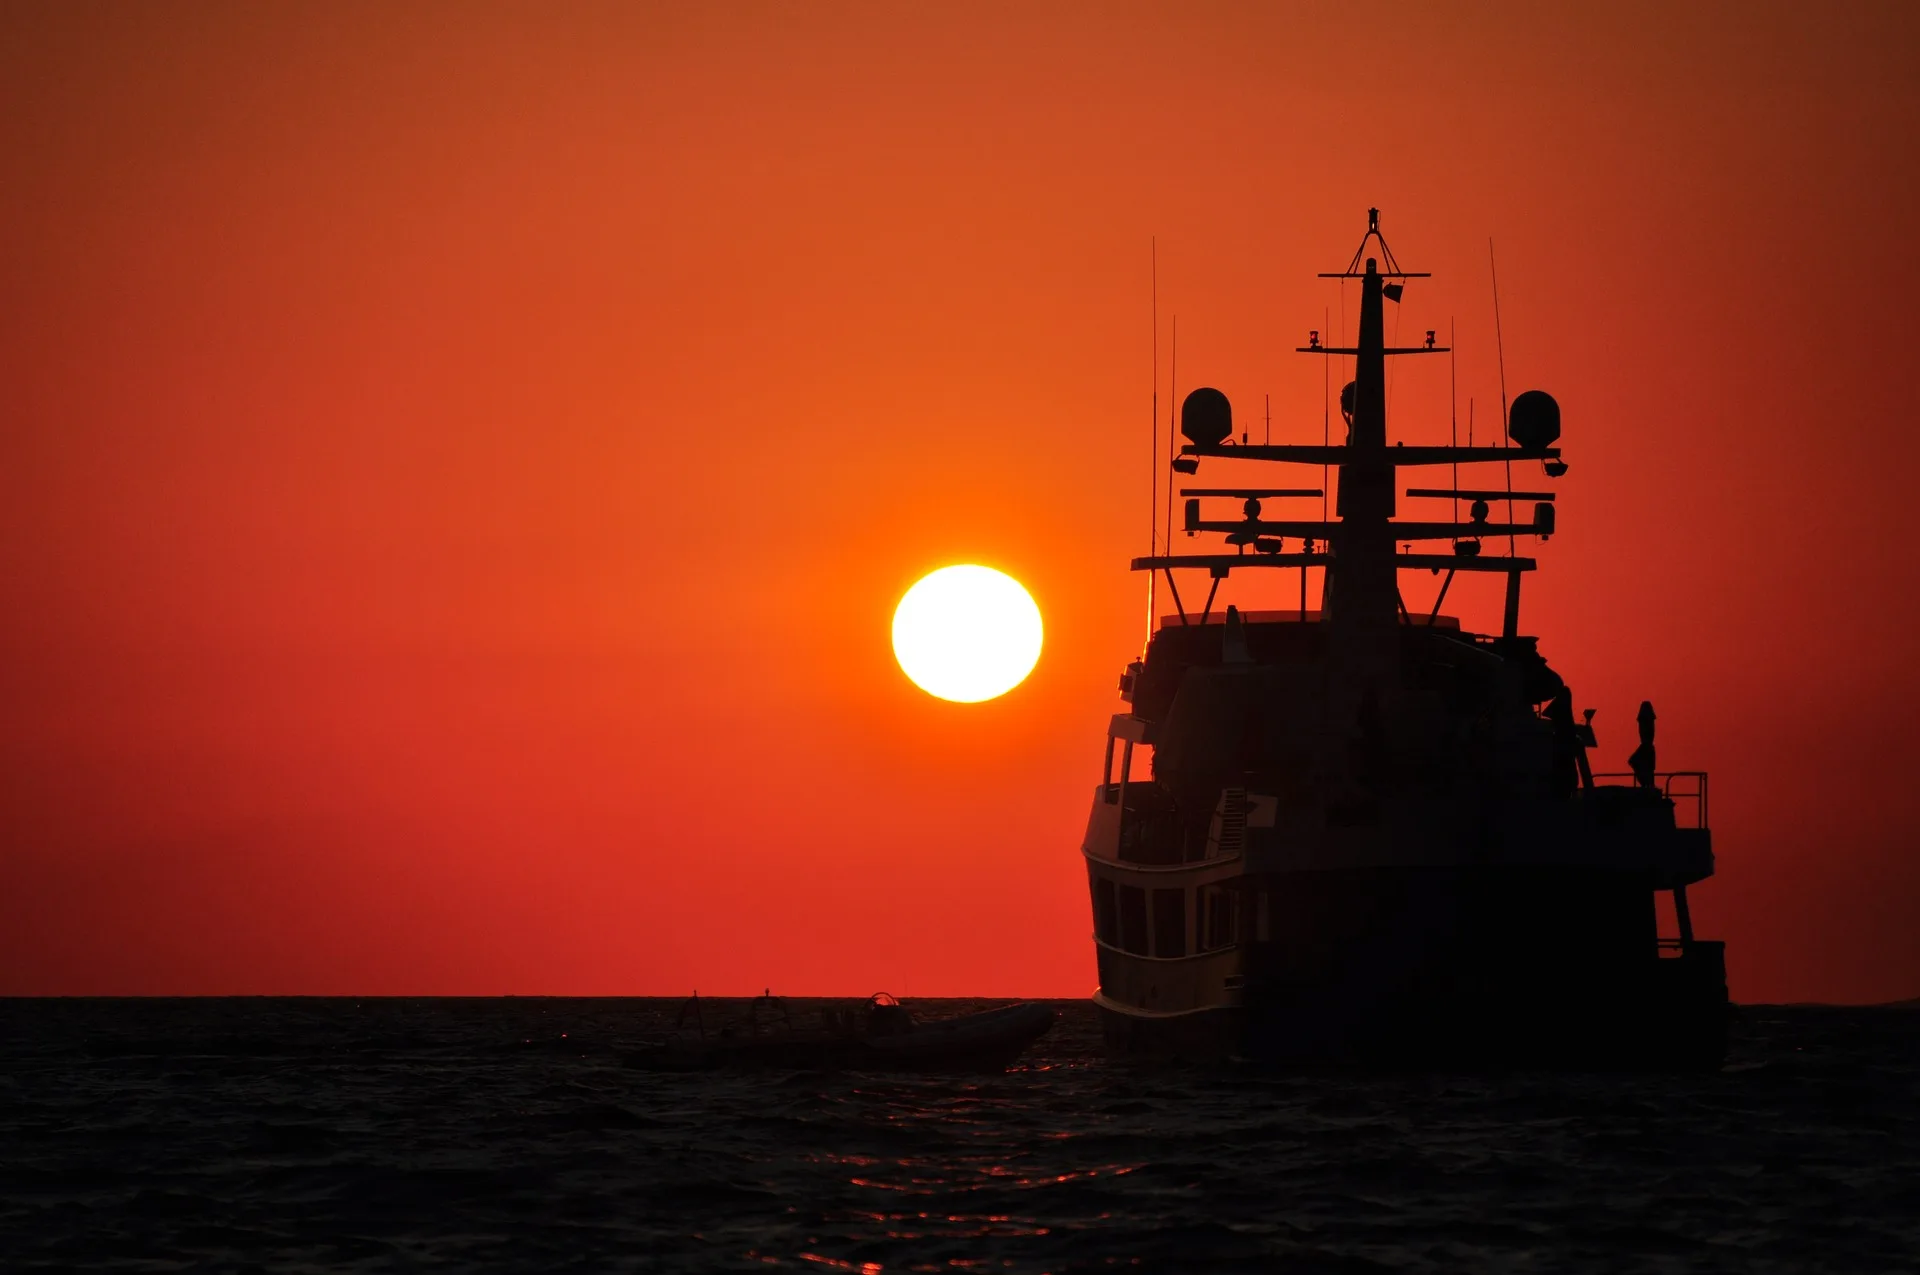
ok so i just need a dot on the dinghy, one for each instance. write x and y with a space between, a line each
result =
878 1036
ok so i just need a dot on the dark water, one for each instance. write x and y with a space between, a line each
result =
418 1134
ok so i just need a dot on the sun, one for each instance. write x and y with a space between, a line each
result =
967 633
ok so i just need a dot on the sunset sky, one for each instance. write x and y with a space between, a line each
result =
458 462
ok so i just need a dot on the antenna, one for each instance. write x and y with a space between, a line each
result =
1453 404
1173 397
1326 394
1501 346
1393 365
1153 434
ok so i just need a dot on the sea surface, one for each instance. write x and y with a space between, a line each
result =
377 1135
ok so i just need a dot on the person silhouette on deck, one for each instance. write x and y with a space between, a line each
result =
1642 761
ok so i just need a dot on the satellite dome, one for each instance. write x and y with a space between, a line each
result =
1534 420
1206 418
1346 399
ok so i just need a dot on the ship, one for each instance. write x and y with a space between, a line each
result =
1360 835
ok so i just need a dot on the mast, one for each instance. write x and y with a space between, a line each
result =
1362 605
1363 596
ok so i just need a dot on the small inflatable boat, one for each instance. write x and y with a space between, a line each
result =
880 1036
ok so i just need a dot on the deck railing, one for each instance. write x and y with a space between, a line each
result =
1686 789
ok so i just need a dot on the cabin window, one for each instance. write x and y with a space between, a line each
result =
1169 922
1106 912
1135 766
1218 915
1133 920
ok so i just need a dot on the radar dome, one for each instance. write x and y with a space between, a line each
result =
1534 420
1206 418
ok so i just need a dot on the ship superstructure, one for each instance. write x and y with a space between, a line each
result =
1366 834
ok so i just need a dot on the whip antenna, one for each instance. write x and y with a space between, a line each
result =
1505 424
1453 404
1173 396
1153 427
1499 344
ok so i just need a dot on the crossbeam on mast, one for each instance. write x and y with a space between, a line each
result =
1252 493
1391 349
1446 492
1401 530
1337 454
1223 562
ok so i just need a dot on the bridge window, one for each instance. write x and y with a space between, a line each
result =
1106 911
1133 920
1218 915
1139 761
1169 922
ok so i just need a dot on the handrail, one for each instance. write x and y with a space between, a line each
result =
1692 786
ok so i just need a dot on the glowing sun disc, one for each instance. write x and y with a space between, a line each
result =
967 633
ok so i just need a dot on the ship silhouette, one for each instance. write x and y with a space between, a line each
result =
1367 836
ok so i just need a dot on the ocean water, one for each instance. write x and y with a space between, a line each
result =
296 1135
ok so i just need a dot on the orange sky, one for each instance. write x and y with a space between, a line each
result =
457 463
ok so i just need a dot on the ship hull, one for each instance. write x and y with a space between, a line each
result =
1672 1016
1430 968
